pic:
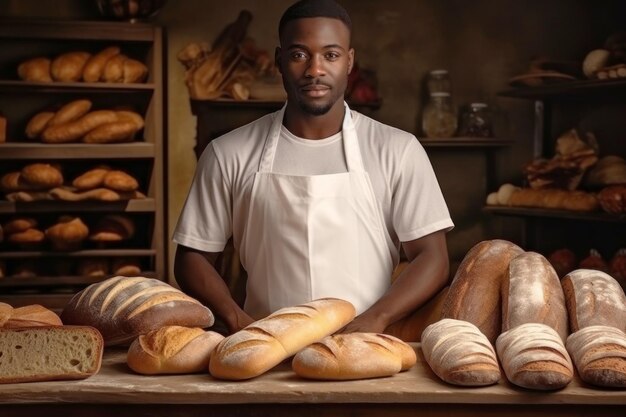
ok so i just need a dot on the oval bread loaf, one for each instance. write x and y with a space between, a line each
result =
122 308
474 294
533 356
354 356
95 65
532 293
267 342
594 298
173 350
599 353
33 315
460 354
70 112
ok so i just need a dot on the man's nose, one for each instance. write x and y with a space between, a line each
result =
316 67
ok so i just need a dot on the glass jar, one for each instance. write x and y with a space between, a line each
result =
476 121
438 81
439 118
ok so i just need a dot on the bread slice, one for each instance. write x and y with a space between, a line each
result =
49 353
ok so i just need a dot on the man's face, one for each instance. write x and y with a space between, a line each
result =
315 59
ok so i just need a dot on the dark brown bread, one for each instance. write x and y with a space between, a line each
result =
122 308
531 293
474 294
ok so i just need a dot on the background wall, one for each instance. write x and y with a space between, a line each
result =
482 43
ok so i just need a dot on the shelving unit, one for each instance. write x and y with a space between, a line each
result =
20 40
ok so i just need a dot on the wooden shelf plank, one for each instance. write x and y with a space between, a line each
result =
566 89
11 86
147 205
464 142
21 150
552 213
78 254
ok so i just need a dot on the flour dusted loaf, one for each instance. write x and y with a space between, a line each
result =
267 342
460 354
599 353
594 298
532 293
49 353
122 308
354 356
474 294
533 356
173 350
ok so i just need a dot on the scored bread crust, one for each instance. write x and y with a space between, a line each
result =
354 356
30 316
267 342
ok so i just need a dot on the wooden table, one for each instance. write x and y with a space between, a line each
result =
116 392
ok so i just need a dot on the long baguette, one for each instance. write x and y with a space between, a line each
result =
267 342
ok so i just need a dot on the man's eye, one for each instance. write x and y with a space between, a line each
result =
332 56
298 55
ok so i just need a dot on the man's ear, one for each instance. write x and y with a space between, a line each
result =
277 60
350 60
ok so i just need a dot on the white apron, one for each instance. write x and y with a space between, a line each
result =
309 237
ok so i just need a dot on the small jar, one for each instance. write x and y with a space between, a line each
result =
476 121
439 118
439 81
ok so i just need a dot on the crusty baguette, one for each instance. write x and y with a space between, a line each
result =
354 356
122 308
460 354
76 129
38 123
599 353
267 342
31 316
474 294
173 350
70 112
532 293
533 356
594 298
49 353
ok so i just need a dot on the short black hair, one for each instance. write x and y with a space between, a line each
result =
314 8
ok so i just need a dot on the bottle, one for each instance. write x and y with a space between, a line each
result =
438 81
439 118
476 121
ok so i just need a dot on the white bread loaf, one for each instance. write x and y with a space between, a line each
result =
49 353
533 356
594 298
460 354
599 353
32 315
532 293
172 350
474 294
354 356
122 308
267 342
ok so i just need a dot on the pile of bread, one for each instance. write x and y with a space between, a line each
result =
109 65
542 327
44 181
94 267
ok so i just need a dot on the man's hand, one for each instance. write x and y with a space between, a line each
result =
242 320
367 323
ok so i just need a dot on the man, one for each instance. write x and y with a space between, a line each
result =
317 197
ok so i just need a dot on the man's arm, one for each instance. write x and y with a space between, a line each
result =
196 275
426 274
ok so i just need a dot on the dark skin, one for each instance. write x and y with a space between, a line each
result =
315 59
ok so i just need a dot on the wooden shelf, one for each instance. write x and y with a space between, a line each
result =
20 150
144 205
87 253
567 89
465 142
551 213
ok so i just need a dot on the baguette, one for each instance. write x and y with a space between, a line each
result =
594 298
599 353
172 350
267 342
75 130
460 354
354 356
38 123
91 179
533 356
95 65
122 308
474 294
532 293
49 353
70 112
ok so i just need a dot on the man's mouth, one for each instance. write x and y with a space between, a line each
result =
315 90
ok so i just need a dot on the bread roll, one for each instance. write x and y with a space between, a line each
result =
460 354
474 294
267 342
93 267
594 298
95 65
70 112
172 350
28 238
134 71
19 224
50 353
531 293
354 356
35 69
120 181
93 178
113 71
599 353
68 67
113 228
114 132
128 267
38 123
122 308
42 176
533 356
68 233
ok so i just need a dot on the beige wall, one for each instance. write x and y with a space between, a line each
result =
482 43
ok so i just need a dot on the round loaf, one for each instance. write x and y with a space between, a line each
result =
120 181
113 228
172 350
67 234
127 267
460 354
19 224
35 69
70 112
68 67
38 123
28 237
122 308
95 65
354 356
42 176
267 342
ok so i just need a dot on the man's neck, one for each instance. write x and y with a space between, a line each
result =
313 127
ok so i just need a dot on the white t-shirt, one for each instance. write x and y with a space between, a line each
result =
404 182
